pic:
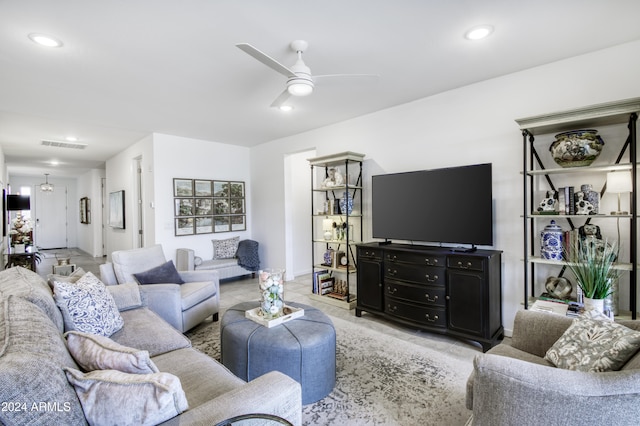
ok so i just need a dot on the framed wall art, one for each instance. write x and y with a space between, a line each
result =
203 206
85 210
116 209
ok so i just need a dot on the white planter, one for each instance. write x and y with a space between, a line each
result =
594 304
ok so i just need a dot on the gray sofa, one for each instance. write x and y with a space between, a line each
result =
35 389
512 384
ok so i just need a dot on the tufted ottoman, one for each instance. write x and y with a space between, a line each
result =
303 348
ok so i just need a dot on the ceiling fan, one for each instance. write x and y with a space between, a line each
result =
300 81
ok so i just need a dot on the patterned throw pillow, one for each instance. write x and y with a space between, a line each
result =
93 352
225 249
594 345
87 306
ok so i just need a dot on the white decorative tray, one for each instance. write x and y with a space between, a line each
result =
256 316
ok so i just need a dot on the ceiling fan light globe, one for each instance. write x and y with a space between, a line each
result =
300 88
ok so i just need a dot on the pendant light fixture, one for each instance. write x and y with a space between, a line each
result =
46 186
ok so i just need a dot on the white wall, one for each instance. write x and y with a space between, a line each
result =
195 159
469 125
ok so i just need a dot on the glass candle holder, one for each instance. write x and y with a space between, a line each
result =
271 283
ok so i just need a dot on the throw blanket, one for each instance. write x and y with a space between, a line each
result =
247 255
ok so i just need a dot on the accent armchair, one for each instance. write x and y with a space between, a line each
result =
182 305
512 384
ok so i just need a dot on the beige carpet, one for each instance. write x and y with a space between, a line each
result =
381 380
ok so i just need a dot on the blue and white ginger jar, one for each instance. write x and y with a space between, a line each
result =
346 203
551 242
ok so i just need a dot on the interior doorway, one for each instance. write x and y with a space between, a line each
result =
50 210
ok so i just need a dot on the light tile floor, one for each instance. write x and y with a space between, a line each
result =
296 290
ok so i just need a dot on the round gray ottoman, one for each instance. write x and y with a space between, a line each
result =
303 348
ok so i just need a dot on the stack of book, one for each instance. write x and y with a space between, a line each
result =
322 282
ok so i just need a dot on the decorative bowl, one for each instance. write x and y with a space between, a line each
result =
576 148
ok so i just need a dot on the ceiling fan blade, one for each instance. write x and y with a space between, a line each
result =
265 59
281 99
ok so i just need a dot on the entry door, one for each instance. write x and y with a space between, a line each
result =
51 218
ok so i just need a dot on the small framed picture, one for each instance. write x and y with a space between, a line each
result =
204 206
237 205
85 210
236 189
182 187
238 223
221 206
202 188
184 206
184 226
221 224
204 225
220 189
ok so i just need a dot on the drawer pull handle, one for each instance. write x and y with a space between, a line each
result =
430 299
392 308
391 290
431 280
431 262
428 317
392 271
462 265
392 258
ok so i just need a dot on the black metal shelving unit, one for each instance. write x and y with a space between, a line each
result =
620 113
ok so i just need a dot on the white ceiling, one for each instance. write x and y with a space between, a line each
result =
132 67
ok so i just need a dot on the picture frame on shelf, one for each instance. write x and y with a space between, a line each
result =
182 187
85 210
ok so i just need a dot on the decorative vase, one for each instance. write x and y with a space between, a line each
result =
271 283
346 203
611 301
576 148
587 201
593 304
551 242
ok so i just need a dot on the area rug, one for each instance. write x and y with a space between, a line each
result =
380 380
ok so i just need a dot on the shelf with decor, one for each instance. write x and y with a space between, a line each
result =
336 206
574 163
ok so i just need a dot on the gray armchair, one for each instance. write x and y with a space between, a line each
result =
182 305
512 384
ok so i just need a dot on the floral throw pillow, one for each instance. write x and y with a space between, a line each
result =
225 249
594 345
87 306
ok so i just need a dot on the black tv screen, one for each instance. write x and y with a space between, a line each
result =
450 205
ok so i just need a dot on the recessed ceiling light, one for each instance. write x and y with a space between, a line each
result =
286 108
71 139
479 32
45 40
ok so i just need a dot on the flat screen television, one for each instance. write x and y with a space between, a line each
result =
450 205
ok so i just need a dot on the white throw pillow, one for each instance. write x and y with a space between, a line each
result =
87 306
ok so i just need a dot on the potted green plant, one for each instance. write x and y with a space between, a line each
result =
594 268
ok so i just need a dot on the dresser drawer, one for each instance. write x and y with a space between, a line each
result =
428 295
432 316
415 258
416 274
369 253
465 262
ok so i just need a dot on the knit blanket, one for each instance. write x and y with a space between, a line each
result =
247 255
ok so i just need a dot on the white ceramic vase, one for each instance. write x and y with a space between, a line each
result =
594 304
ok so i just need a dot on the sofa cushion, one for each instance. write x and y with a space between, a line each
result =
144 329
117 398
217 264
26 283
195 292
129 262
71 278
32 355
87 305
165 273
93 352
594 345
127 296
225 249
